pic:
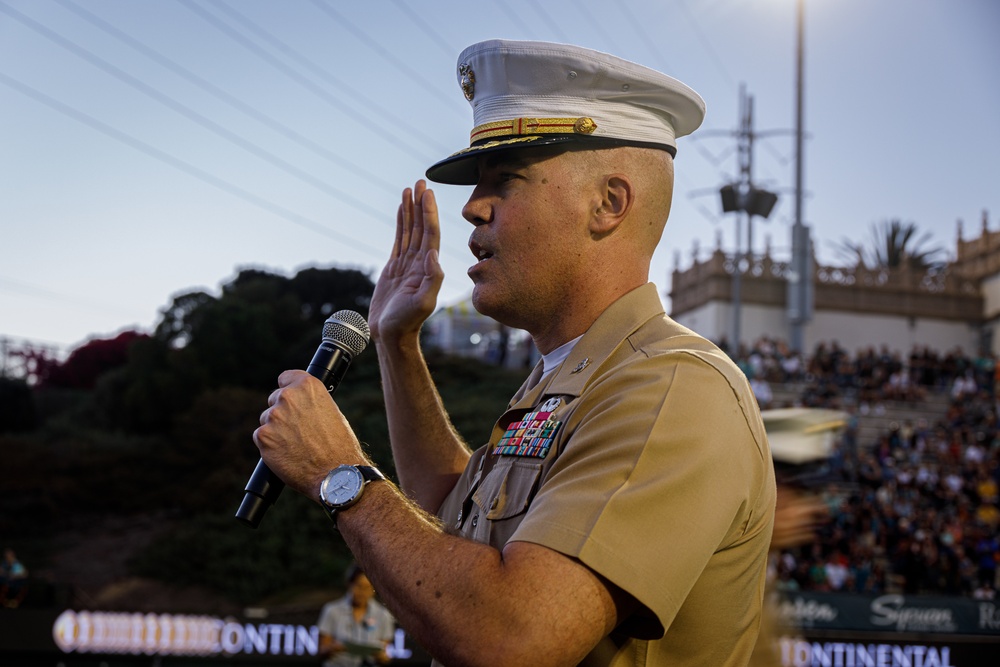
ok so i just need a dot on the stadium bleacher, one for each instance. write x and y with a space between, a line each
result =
913 483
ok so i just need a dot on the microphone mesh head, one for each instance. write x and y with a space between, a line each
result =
348 330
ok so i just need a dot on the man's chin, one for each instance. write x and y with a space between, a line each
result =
487 303
479 301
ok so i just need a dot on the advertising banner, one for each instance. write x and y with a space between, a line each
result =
814 630
890 613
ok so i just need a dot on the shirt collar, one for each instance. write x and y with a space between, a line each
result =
552 360
588 353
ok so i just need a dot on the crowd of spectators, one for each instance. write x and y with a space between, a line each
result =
913 509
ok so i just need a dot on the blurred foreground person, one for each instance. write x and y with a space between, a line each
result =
355 630
802 442
621 511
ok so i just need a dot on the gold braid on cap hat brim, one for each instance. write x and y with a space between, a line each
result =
528 126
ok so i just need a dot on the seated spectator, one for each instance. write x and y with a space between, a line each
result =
761 391
963 385
984 591
837 572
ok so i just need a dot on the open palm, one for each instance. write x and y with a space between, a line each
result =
407 289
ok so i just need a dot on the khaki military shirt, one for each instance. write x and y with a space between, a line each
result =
643 456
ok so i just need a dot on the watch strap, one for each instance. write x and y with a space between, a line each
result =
371 473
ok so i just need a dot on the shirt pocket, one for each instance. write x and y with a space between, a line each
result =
503 498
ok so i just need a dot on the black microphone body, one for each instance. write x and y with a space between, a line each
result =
345 335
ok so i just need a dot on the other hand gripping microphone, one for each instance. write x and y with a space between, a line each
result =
345 336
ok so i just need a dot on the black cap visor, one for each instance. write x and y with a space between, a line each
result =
461 168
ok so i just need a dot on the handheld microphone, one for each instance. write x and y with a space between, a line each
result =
345 336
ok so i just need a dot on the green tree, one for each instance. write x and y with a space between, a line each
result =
893 244
261 324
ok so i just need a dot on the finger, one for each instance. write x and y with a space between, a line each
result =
290 377
273 398
398 240
418 216
406 220
431 239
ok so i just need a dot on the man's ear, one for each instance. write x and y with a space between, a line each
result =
617 198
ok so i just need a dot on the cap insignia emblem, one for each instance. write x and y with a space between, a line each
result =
468 81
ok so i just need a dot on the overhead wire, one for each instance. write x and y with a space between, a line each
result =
360 205
198 118
385 53
706 43
653 47
371 106
679 176
641 32
19 286
234 102
593 20
549 21
419 21
515 18
384 133
277 43
187 167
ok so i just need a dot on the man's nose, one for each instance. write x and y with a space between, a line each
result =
478 209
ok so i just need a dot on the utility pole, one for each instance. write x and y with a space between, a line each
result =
800 276
743 198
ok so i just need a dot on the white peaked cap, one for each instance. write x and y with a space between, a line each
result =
539 93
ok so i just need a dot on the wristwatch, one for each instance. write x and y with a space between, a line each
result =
343 486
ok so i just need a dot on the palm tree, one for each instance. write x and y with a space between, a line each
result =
891 245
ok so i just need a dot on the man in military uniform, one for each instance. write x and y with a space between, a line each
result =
621 512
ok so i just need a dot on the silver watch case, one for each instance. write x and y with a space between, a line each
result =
342 487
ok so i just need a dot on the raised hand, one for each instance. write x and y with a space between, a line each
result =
407 289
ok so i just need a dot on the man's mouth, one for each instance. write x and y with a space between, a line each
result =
479 251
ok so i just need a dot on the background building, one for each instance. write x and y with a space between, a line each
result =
956 307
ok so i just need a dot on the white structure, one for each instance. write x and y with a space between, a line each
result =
856 307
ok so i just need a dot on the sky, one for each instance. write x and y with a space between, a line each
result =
152 148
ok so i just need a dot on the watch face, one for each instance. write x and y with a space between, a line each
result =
341 486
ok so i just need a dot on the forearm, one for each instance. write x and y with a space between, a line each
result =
466 602
428 452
